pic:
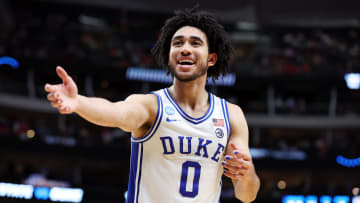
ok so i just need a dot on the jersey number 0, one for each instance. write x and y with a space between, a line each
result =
184 179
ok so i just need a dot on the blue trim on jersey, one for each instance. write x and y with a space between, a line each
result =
156 124
185 115
133 172
139 177
226 116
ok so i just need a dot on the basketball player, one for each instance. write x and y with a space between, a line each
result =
183 137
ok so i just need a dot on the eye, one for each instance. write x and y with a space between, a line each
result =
177 43
196 43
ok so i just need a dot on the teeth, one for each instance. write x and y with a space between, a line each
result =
189 61
186 61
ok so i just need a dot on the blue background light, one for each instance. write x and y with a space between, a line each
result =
341 199
161 76
42 193
352 80
348 162
311 199
325 199
293 198
6 60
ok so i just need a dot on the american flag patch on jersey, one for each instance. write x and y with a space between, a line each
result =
218 122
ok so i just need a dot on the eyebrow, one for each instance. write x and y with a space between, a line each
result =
191 37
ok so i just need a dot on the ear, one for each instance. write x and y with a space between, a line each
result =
212 59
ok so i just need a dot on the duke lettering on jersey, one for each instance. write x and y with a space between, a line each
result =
201 147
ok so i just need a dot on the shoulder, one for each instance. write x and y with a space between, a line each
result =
235 111
236 116
142 98
149 101
239 129
145 109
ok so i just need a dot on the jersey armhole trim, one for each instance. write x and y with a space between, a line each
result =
156 124
226 116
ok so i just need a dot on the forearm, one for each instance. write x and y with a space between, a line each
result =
247 189
131 114
97 110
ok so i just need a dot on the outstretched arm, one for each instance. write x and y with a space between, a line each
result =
238 162
132 114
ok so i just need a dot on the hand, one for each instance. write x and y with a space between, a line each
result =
237 166
63 96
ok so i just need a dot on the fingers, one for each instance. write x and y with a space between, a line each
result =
238 154
234 169
61 107
62 74
56 100
234 172
236 160
56 103
240 163
233 176
243 156
53 96
64 77
50 88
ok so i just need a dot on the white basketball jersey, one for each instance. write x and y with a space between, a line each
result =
179 159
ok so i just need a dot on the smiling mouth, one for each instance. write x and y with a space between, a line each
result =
186 62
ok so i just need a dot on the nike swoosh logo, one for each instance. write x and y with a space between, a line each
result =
170 120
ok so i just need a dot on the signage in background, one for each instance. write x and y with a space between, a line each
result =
320 199
54 194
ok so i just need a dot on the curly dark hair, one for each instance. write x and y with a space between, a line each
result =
218 39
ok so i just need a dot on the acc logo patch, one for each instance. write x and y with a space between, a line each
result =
219 133
169 110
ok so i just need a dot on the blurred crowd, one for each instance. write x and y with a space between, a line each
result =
321 52
317 144
123 39
75 38
56 131
105 40
75 132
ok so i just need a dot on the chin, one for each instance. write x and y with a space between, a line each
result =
184 78
188 78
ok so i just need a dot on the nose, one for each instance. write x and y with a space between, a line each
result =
185 50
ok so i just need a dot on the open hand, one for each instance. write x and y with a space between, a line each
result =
63 96
237 165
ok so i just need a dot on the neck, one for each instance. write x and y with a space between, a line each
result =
191 93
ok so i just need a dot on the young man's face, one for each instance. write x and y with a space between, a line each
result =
189 56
